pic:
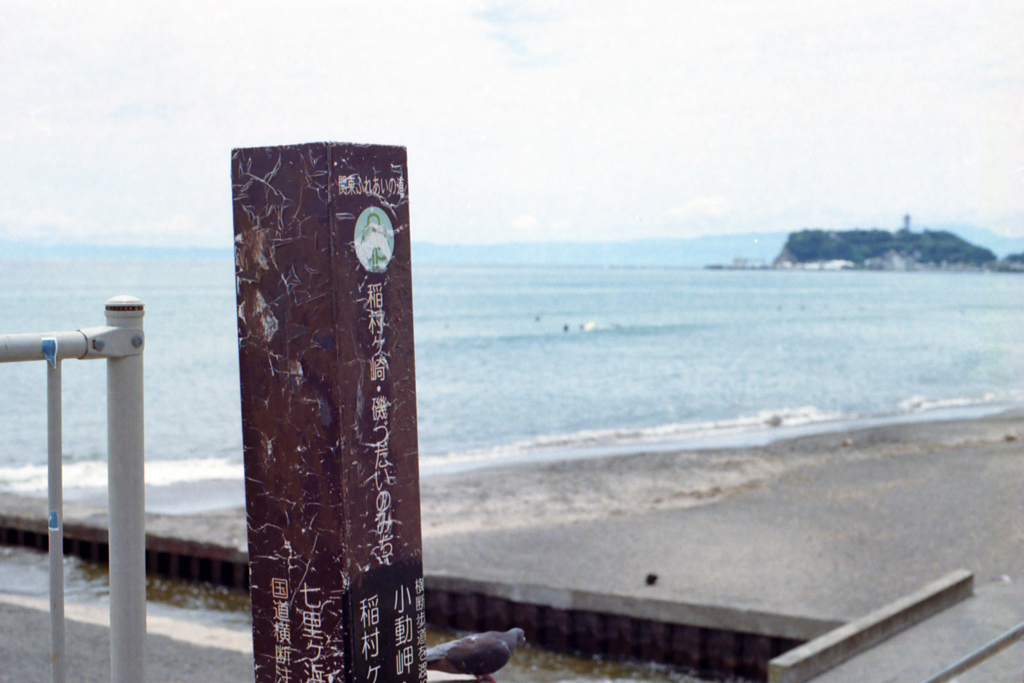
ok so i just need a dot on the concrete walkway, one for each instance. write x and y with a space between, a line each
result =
176 651
926 649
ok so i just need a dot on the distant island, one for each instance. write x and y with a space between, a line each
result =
883 250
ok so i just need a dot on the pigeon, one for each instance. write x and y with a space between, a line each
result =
478 655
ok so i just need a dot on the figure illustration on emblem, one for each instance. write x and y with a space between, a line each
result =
374 239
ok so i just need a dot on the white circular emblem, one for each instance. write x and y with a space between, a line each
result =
374 239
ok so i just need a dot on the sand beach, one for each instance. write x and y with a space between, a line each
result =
831 524
645 484
823 528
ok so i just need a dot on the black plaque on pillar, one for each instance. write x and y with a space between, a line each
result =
329 412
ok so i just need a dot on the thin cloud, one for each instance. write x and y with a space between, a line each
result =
730 117
520 31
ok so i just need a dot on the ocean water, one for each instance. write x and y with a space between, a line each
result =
521 363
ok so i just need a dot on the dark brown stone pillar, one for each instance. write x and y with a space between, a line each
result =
329 412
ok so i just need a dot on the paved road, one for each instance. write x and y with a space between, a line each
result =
25 652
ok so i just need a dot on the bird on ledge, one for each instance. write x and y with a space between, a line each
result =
478 655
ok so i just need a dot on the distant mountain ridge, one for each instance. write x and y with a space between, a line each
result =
78 250
694 252
669 253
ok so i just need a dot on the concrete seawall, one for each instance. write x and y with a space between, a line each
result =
209 548
715 640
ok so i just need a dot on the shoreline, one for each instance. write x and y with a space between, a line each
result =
739 433
637 481
716 460
566 491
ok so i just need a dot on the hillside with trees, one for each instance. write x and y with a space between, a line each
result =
881 249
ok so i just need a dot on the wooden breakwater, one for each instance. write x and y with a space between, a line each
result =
709 640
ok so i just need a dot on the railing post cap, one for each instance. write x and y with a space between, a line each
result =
125 304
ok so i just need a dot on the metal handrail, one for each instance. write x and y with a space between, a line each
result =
980 655
121 342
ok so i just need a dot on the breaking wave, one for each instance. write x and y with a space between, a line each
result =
753 430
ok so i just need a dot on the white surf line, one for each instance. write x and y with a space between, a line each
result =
182 631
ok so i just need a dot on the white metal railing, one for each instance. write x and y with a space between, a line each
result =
121 342
980 655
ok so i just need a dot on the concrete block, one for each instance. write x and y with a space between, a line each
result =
812 658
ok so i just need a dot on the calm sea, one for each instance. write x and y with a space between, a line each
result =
520 363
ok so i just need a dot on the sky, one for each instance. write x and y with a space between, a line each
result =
568 121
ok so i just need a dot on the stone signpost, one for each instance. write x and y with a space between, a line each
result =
329 413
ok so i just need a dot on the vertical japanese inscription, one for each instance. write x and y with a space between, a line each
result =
383 477
329 412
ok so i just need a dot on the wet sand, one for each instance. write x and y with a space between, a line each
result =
578 490
829 526
560 491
